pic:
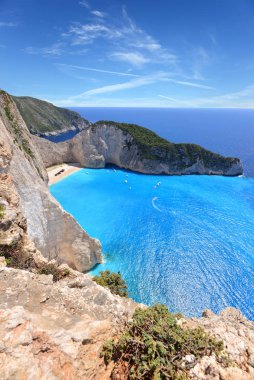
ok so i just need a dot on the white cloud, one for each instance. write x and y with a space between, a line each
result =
98 70
121 86
240 99
53 50
168 98
85 4
4 24
124 34
98 13
191 84
134 58
86 34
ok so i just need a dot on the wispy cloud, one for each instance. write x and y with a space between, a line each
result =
243 98
134 83
109 89
192 84
134 58
9 24
135 46
86 34
85 4
98 70
53 50
168 98
98 13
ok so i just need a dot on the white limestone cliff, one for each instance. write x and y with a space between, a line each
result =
104 144
54 232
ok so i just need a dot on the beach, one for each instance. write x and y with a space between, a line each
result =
58 172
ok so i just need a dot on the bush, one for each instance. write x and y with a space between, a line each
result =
154 346
1 211
55 271
113 281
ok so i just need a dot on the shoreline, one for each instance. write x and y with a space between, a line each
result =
64 170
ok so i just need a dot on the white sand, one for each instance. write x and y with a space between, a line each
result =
68 169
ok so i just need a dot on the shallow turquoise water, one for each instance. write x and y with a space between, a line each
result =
187 242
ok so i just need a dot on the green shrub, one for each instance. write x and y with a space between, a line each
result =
55 271
113 281
1 211
154 345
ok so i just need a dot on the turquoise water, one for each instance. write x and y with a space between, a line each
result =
187 242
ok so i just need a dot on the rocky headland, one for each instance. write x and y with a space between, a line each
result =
53 324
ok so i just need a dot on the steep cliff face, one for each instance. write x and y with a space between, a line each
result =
138 149
54 232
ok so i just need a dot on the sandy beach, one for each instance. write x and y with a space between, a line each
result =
63 169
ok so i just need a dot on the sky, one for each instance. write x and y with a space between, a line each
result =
135 53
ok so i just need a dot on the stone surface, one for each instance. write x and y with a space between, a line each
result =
53 231
237 334
53 331
107 144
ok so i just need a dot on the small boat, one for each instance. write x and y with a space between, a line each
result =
125 181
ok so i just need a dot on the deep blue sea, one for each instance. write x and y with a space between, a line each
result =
184 241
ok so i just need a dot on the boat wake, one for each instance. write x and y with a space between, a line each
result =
154 205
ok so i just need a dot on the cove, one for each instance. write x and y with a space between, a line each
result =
186 241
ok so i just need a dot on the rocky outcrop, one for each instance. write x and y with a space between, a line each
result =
54 232
237 334
109 143
55 330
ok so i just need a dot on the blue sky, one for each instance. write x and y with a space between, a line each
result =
164 53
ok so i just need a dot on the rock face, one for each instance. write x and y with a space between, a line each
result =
237 333
54 331
53 231
109 143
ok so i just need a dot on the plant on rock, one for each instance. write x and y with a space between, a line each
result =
113 281
155 347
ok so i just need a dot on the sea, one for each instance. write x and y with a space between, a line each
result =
186 241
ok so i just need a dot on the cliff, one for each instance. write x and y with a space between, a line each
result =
53 231
135 148
43 118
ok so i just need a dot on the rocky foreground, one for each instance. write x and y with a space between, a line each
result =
55 330
52 326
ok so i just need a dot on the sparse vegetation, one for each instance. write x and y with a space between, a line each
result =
55 271
15 257
2 208
154 346
113 281
41 117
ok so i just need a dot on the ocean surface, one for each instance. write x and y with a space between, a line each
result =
186 241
